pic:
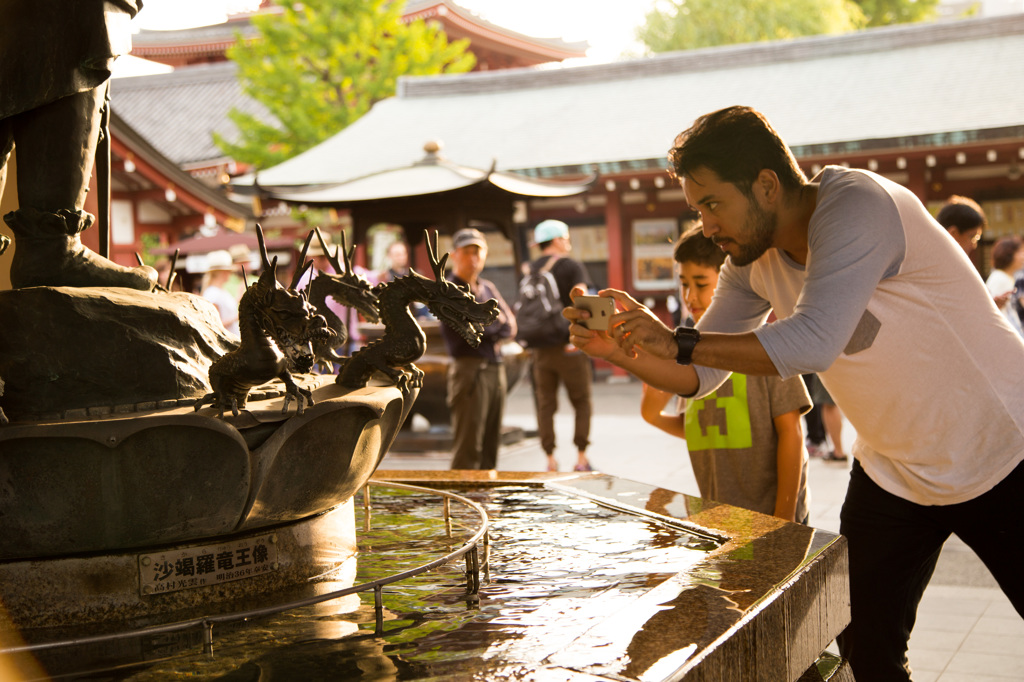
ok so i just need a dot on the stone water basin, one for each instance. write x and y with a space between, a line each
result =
588 577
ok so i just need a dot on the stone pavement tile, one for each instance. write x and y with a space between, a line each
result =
999 666
973 677
988 643
931 660
925 675
993 625
925 638
945 621
958 601
1002 608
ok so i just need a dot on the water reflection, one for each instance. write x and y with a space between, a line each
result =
560 565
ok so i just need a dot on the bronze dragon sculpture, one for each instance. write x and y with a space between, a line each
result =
346 288
404 342
277 327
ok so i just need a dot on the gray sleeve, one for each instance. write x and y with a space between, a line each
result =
788 395
856 240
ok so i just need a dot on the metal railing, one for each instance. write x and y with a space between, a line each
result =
469 549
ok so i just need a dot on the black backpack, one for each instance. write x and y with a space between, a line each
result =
538 310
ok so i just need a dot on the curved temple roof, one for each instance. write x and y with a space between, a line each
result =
431 175
852 91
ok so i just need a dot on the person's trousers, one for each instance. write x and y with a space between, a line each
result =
476 398
552 366
894 545
815 427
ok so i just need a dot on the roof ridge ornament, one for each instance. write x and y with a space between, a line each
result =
433 153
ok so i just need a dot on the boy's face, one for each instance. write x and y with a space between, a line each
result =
698 283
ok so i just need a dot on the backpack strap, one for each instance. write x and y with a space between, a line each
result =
551 263
547 269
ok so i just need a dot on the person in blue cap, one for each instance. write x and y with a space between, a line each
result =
554 360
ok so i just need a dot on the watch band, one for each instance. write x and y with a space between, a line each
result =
686 341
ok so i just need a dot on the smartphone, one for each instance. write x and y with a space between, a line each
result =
601 308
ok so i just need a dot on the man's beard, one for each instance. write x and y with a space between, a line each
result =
761 230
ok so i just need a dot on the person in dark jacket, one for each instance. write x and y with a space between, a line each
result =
476 376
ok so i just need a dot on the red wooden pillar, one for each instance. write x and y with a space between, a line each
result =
618 246
917 182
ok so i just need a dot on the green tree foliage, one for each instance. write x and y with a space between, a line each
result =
688 24
321 64
885 12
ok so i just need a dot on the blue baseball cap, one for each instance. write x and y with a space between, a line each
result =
547 230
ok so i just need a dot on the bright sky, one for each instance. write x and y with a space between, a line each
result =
606 24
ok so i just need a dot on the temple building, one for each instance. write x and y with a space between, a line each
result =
878 99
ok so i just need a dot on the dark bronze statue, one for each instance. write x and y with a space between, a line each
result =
278 328
53 86
404 342
347 288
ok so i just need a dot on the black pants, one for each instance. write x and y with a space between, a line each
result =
894 545
815 427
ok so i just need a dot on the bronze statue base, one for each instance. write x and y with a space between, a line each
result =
165 476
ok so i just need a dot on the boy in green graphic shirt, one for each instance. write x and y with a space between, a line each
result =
745 439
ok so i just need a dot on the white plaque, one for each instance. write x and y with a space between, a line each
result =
200 565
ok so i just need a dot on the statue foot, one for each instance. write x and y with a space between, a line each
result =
49 252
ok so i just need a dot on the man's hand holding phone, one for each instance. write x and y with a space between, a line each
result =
601 308
594 342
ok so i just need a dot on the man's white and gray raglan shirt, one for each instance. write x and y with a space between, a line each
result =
892 315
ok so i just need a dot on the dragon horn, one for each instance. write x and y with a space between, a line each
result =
305 246
436 265
299 274
347 253
269 276
174 266
245 280
297 277
431 249
332 258
263 249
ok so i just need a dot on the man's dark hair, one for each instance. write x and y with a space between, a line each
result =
693 247
1004 252
736 143
962 213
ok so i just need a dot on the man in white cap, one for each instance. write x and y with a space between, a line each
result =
476 376
554 360
219 268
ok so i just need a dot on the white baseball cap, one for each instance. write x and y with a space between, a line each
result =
547 230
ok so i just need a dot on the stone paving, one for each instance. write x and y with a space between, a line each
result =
966 631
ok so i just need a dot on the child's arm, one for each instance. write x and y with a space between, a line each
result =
789 463
651 406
